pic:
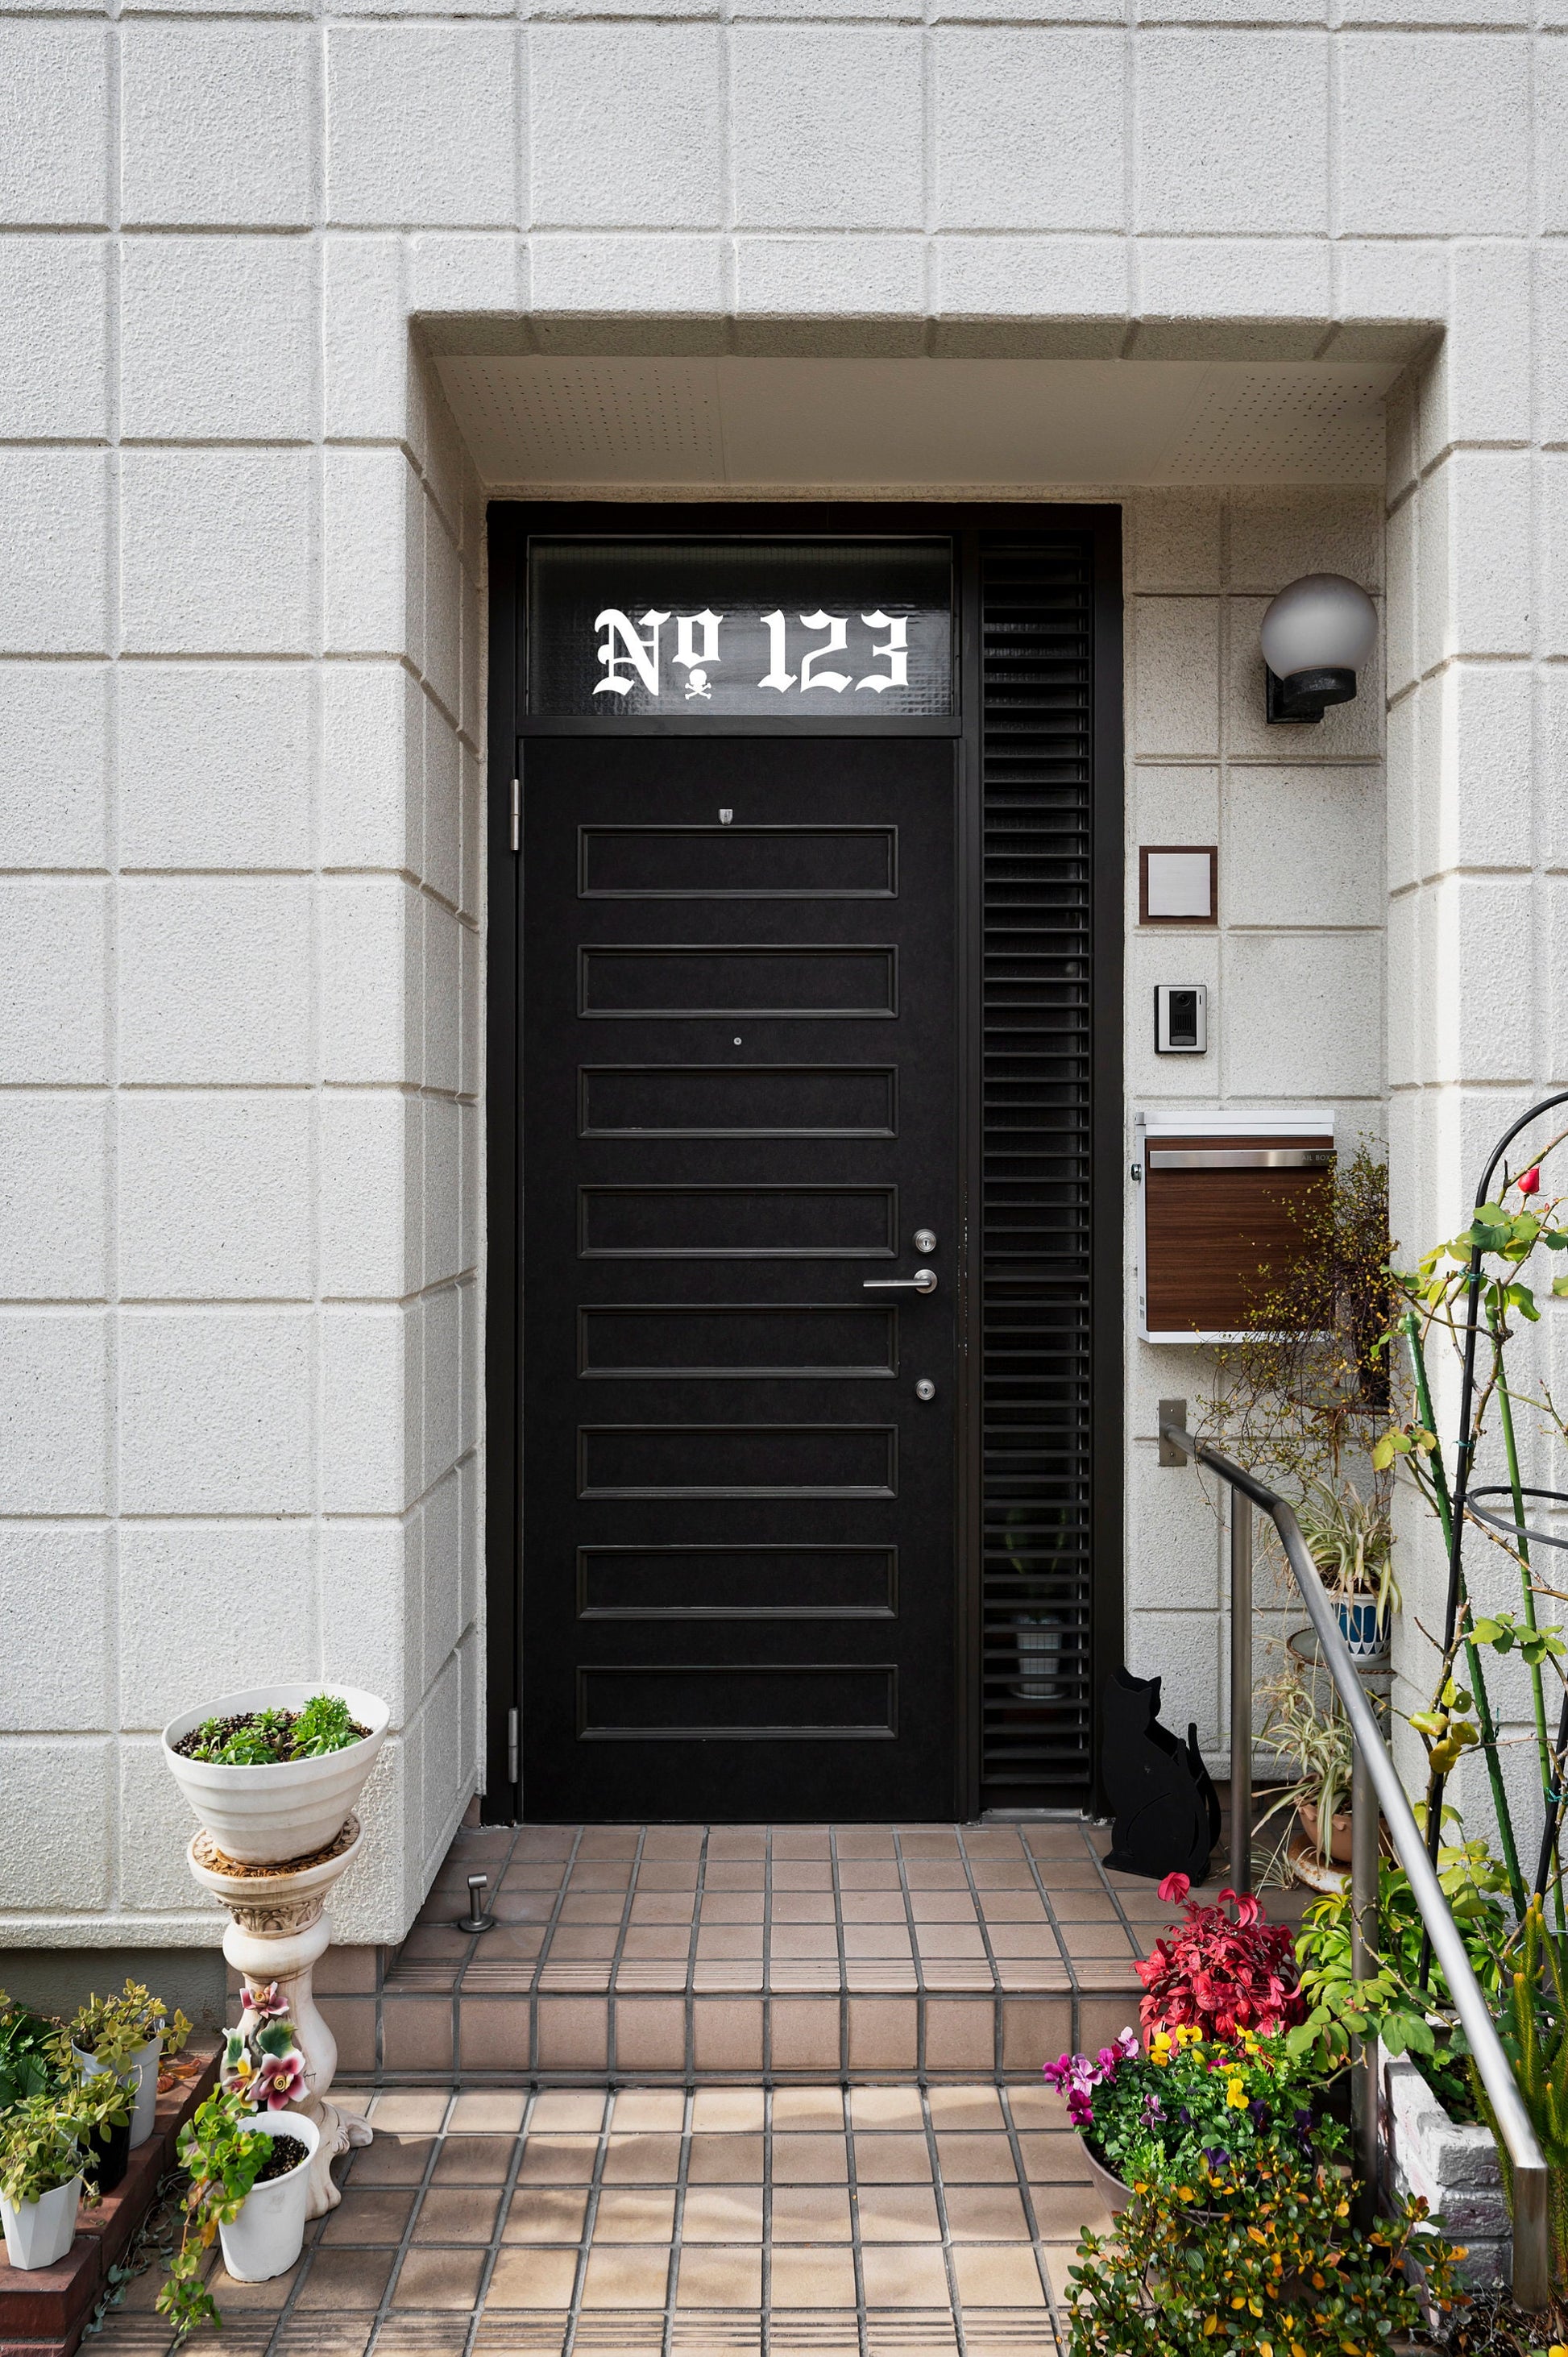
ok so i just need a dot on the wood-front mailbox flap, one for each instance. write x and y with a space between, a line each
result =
1222 1218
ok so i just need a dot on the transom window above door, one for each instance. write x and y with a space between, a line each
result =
769 629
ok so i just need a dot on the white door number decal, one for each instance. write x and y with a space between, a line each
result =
632 654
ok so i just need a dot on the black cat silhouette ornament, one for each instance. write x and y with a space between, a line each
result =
1167 1809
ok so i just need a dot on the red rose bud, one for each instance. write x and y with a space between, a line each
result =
1529 1184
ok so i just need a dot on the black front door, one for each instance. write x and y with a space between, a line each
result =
738 1066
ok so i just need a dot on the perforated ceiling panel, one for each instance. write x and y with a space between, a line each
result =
579 421
1274 423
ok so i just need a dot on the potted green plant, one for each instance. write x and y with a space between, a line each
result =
249 2179
272 1772
1314 1740
45 2164
29 2055
1350 1539
126 2035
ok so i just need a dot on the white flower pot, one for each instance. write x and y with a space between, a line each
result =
39 2234
268 1817
143 2076
265 2239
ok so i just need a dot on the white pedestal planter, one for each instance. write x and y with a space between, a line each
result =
1453 2168
278 1931
39 2234
273 1816
264 2240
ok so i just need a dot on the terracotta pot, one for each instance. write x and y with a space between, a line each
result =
1339 1837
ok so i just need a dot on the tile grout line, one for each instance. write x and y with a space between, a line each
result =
852 2170
996 2015
690 2005
918 1960
767 1972
949 2264
764 2287
611 2041
498 2232
1062 1947
1030 2219
844 1973
568 1871
590 2213
678 2220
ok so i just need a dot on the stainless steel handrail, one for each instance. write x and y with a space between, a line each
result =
1374 1784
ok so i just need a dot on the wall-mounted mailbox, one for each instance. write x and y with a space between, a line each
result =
1221 1200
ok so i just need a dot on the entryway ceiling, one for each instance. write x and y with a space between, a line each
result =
813 424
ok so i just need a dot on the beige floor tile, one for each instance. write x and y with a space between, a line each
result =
812 2280
722 2213
566 2111
439 2279
985 2214
712 2278
1033 2106
410 2112
626 2274
997 2275
367 2216
724 2160
810 2214
965 2107
899 2213
1062 2212
891 2159
634 2213
727 2108
557 2160
533 2278
906 2276
649 2111
498 2111
807 2107
553 2215
392 2159
346 2279
1053 2160
975 2159
461 2214
643 2159
473 2160
885 2107
809 2160
262 2299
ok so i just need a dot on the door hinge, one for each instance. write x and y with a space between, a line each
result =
517 813
512 1735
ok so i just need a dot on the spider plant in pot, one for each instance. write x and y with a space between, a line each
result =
45 2165
1315 1743
1350 1539
126 2035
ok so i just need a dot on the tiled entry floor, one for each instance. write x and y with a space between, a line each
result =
695 1952
863 2222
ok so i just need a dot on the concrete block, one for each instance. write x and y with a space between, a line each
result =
53 980
1174 540
54 525
189 1577
215 980
1553 904
52 1581
216 125
1172 1537
217 1410
153 1825
441 1189
626 126
54 357
372 560
443 998
1480 376
1175 806
1347 732
371 962
1551 705
445 594
826 127
1382 286
1553 559
442 1514
1400 619
845 277
1483 798
365 351
1031 295
1303 846
54 125
665 278
1277 533
54 1374
443 860
216 551
1403 985
60 1790
421 126
443 1800
1485 554
53 1197
1486 929
1304 1015
369 1431
217 339
372 767
1183 1650
1028 129
1551 323
1233 131
1429 140
470 1236
1175 658
1550 94
370 1606
1192 295
467 270
441 1363
474 822
215 1196
1403 859
370 1211
54 723
215 765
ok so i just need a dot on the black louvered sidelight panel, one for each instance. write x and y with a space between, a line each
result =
1036 607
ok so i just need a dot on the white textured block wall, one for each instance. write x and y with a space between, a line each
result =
241 672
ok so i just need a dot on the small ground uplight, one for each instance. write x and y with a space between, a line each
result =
1316 636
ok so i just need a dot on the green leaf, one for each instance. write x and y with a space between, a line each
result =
1522 1298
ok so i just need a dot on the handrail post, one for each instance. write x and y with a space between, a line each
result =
1240 1691
1363 1964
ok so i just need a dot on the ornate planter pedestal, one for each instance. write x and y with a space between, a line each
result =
279 1929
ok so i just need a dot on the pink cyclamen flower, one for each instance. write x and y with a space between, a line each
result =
265 2003
281 2081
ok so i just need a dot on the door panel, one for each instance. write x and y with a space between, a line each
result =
739 1102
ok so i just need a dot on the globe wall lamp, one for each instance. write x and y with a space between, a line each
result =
1316 636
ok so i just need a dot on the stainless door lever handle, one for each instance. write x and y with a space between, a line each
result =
923 1281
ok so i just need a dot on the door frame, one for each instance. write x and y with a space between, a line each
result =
508 524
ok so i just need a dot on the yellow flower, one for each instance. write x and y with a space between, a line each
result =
1160 2051
1236 2095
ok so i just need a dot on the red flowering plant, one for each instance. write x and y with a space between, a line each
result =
1221 1974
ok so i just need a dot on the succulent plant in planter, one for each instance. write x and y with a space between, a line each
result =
127 2036
47 2164
272 1772
238 2163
